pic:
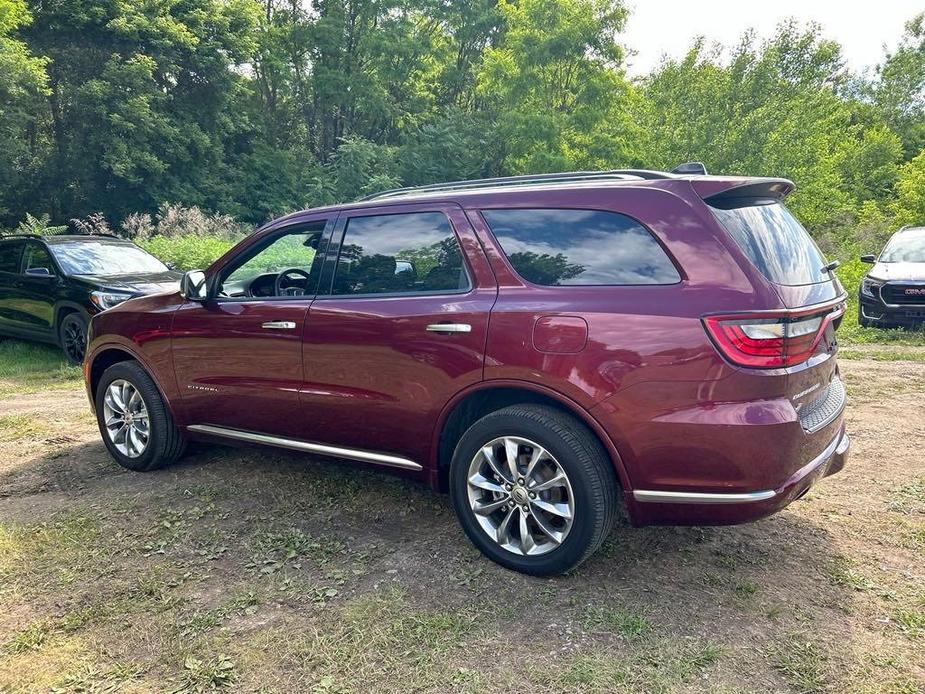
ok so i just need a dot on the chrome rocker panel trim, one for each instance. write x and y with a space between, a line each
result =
837 445
306 446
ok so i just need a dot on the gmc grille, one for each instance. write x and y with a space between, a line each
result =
903 294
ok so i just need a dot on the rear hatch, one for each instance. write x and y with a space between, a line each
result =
797 342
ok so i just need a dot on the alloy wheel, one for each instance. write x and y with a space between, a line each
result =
126 418
520 495
75 340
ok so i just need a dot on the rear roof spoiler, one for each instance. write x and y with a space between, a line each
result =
719 189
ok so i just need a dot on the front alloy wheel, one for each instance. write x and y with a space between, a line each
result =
520 495
134 421
126 418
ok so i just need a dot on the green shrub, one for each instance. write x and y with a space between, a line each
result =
186 252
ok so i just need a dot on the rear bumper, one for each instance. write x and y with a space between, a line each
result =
653 507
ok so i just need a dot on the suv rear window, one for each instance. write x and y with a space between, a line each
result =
10 252
774 240
573 247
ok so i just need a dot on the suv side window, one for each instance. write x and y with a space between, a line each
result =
556 247
37 261
406 253
10 253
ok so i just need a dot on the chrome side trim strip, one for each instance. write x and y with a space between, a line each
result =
658 497
307 447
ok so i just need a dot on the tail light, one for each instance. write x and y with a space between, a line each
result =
770 339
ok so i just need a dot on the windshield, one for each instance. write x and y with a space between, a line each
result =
104 258
775 241
907 247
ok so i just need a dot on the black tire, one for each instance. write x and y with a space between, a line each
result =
580 455
165 443
72 336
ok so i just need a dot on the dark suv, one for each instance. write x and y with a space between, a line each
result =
892 293
50 286
548 349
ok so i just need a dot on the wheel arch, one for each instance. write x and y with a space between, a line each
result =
62 308
107 355
487 396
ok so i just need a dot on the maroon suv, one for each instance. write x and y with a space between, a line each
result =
546 348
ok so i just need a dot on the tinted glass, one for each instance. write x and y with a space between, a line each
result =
10 252
37 258
907 247
104 258
400 254
574 247
775 241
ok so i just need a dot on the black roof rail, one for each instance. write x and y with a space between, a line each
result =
505 181
54 236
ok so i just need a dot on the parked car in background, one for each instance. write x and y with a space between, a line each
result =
50 286
892 293
549 349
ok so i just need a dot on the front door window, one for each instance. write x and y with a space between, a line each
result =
288 267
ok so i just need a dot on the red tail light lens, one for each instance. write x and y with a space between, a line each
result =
770 340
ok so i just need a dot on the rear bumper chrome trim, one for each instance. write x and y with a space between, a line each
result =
306 446
658 497
836 446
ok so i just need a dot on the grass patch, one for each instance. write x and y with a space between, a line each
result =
27 367
615 620
206 675
909 498
661 667
882 354
802 663
841 572
370 644
15 427
910 621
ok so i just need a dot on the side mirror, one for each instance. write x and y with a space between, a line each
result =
193 286
38 272
869 259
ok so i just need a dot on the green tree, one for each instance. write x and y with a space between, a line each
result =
555 88
23 84
141 100
899 90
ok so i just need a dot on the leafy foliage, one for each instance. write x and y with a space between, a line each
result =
181 123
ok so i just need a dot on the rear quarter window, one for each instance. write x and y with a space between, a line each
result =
557 247
774 240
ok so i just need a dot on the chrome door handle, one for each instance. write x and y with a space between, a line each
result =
279 325
449 328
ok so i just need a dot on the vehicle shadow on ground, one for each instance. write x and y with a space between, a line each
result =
714 584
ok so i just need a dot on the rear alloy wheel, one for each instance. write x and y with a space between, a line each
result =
134 422
533 489
72 335
520 495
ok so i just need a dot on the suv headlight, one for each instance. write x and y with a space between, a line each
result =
871 287
108 299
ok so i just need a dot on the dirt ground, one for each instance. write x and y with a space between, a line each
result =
262 571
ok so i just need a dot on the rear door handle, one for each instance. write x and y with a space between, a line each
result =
279 325
449 328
